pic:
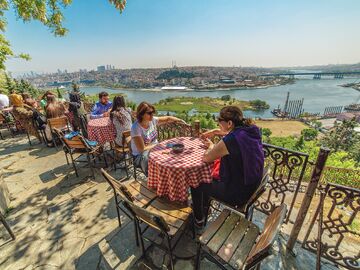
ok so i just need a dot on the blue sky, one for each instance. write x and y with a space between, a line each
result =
192 32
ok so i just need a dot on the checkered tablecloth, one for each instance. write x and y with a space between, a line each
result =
101 130
172 174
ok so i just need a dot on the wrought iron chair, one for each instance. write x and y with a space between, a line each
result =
232 240
78 145
60 123
124 151
248 208
172 130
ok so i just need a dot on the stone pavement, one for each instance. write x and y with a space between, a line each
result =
65 222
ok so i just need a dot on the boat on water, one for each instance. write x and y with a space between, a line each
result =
175 88
353 107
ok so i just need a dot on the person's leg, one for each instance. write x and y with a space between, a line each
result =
200 200
144 163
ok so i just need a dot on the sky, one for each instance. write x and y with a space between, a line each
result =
263 33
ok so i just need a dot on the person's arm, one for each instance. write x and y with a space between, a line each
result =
212 133
169 119
214 151
139 143
95 112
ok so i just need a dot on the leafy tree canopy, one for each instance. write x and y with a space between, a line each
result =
48 12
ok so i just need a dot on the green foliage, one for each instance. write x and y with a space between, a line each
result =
266 133
258 104
226 98
59 93
299 145
342 137
174 73
20 87
309 134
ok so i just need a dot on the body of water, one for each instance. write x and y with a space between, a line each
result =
317 95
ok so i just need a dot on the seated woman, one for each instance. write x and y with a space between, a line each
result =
241 163
144 133
24 114
77 111
28 100
54 108
121 118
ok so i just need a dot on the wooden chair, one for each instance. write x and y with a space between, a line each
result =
135 191
78 145
248 208
232 240
124 151
60 123
170 219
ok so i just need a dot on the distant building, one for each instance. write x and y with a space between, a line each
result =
348 116
101 68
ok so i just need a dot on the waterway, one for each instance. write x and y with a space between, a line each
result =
317 94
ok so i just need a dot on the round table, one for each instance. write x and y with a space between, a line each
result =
172 174
101 130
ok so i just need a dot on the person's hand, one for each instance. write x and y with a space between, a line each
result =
106 114
208 144
206 135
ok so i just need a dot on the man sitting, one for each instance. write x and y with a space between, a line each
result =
102 107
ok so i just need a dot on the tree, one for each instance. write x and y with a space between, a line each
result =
299 145
226 98
309 134
266 132
47 12
342 136
59 93
9 83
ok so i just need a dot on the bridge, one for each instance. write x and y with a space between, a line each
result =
317 75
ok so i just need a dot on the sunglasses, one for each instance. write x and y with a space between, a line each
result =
220 119
150 113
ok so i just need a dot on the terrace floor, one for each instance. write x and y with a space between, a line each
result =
65 222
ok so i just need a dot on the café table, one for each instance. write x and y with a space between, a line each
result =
101 130
172 174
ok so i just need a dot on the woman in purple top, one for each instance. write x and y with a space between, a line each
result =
241 163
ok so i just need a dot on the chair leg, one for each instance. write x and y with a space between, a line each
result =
136 234
7 227
106 164
28 136
141 237
1 136
74 166
67 159
90 165
114 159
198 258
126 168
170 253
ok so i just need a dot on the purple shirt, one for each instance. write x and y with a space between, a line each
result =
99 109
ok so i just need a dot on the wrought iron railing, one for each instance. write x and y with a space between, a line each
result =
338 231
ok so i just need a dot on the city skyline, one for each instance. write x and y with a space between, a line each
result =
194 33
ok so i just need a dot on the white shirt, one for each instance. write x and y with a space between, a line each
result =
4 101
149 134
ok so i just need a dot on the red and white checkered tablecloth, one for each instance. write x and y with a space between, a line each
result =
101 130
172 174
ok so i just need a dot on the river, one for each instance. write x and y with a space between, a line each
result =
317 94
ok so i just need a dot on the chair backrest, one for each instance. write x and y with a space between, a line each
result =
76 142
260 190
117 186
150 218
126 138
265 241
58 122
